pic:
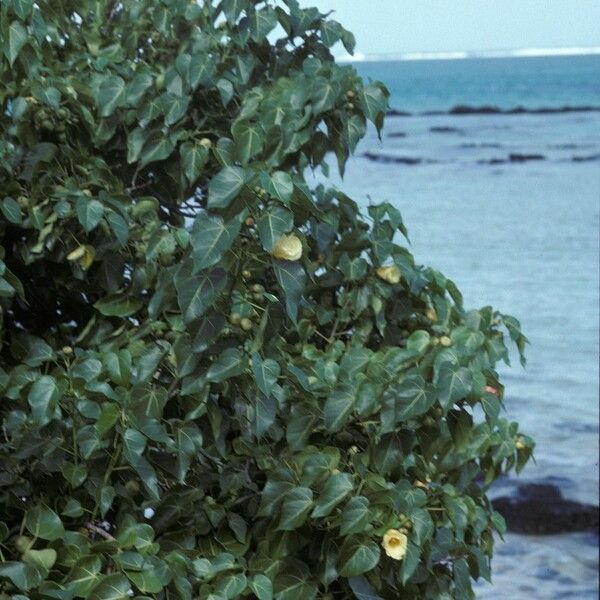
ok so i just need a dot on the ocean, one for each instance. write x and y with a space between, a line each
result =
507 204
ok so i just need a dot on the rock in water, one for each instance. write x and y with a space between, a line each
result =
540 509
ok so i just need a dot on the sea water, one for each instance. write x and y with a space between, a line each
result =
521 235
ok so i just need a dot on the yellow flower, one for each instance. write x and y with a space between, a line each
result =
391 273
287 247
394 543
520 444
84 254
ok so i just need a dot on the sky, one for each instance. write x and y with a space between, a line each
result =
399 26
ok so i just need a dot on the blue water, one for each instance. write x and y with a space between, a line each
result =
524 237
534 82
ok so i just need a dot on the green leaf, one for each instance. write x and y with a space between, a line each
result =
111 587
295 508
43 559
157 147
338 486
454 384
201 70
197 293
116 305
225 186
280 185
229 363
299 426
211 237
232 10
262 587
193 158
147 581
418 341
265 412
110 94
87 370
406 400
491 405
23 576
338 407
231 586
265 373
44 523
324 94
291 278
22 8
89 212
42 398
248 138
355 516
357 556
175 108
410 561
355 129
272 224
75 474
422 525
362 589
11 210
374 102
16 39
262 22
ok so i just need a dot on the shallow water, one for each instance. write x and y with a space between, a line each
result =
523 237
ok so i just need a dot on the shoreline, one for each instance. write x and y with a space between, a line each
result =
467 109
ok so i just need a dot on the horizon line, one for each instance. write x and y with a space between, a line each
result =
470 54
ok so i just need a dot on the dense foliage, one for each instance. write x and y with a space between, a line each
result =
218 383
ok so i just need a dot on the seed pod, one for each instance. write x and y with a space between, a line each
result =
246 324
22 543
445 341
235 318
431 314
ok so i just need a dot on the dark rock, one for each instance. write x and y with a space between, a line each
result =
398 160
540 509
480 145
525 157
394 112
466 109
587 158
446 129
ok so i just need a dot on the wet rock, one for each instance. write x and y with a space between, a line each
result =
446 129
398 160
587 158
394 112
514 157
540 509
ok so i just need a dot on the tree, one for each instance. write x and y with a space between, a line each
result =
220 383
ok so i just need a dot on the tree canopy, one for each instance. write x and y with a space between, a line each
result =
217 382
